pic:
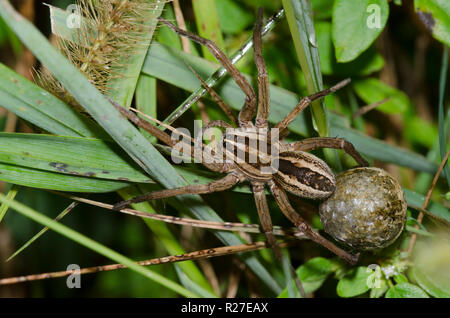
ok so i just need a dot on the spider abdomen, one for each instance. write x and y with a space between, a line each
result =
305 175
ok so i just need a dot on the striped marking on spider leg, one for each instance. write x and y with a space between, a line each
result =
305 175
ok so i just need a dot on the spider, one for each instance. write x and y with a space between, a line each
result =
298 171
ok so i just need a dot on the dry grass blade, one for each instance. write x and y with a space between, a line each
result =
222 226
201 254
426 201
368 108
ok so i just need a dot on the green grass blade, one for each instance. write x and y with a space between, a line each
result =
416 199
95 246
39 107
146 100
380 150
442 132
93 158
299 17
208 25
41 232
40 179
124 86
191 285
168 240
10 196
412 229
123 132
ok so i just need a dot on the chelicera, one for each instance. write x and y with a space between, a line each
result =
299 172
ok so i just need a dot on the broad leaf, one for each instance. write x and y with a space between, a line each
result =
368 62
435 15
406 290
354 283
312 274
41 108
372 90
356 24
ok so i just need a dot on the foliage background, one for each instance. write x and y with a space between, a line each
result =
403 62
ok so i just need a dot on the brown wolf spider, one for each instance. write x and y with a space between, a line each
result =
299 172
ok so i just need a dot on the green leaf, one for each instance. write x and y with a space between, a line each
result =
95 246
299 17
380 291
41 108
354 283
322 9
208 25
166 35
368 62
233 18
124 86
400 278
430 268
435 15
6 35
146 100
35 178
312 275
372 90
416 199
171 243
406 290
441 124
41 232
69 155
10 196
381 150
421 131
356 24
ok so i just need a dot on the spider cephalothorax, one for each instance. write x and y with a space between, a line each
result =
279 166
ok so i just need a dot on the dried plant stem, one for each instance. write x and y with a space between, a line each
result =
426 201
201 254
182 25
368 108
223 226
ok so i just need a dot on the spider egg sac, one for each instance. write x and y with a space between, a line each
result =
367 211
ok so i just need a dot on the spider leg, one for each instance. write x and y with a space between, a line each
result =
305 102
329 142
224 106
164 137
266 224
213 186
247 111
263 78
300 223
